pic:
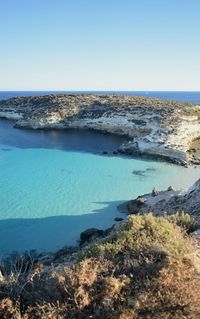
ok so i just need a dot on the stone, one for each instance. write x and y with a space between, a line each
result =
135 205
170 203
154 192
140 200
118 219
1 277
90 234
67 250
170 189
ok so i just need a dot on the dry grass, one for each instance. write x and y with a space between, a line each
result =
143 271
185 221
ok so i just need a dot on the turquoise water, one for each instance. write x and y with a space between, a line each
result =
50 193
55 184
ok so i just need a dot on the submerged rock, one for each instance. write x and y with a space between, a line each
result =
138 172
118 219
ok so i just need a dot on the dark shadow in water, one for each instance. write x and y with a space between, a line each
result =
144 173
69 139
52 233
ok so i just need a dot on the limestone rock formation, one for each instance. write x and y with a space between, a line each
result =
157 128
170 201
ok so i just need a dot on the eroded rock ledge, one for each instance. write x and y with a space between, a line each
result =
169 201
157 128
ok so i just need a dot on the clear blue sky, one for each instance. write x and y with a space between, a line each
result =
100 45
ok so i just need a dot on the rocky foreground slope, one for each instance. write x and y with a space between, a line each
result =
157 128
147 269
144 267
169 201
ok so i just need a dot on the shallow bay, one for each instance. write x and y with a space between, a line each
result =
55 184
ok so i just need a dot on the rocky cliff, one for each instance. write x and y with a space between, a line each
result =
157 128
169 201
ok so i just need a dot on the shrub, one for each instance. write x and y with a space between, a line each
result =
174 294
144 238
142 271
185 221
9 309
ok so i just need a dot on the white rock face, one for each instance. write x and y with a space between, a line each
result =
171 201
157 128
11 115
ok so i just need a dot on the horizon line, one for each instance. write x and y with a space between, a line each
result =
55 90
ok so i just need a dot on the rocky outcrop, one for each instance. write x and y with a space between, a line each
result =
134 206
157 128
90 234
169 201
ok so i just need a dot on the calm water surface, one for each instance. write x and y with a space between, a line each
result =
193 97
54 184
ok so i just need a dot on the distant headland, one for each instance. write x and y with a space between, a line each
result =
157 128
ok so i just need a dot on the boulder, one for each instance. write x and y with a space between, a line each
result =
170 189
135 205
67 250
118 219
90 234
154 192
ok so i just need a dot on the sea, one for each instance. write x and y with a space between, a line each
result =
193 97
55 184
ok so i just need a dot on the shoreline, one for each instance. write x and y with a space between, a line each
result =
139 130
158 203
157 129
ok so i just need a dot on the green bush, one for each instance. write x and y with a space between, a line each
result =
144 270
141 236
185 221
